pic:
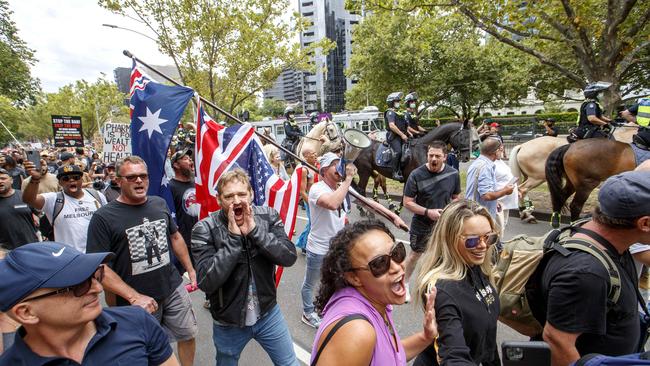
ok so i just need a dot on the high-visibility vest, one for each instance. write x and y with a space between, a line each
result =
643 115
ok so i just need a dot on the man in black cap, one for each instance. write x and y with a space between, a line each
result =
112 190
39 277
69 211
580 317
67 158
549 128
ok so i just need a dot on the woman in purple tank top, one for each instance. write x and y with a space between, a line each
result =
362 277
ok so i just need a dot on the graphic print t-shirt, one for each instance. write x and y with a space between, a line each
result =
139 237
187 208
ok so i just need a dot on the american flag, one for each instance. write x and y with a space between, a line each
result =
220 149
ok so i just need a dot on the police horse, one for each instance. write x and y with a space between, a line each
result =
461 136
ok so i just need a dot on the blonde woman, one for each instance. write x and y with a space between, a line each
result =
457 263
273 154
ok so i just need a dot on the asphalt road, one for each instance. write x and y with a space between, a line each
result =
408 318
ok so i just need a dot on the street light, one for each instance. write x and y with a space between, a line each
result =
130 30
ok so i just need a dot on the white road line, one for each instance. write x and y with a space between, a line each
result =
301 354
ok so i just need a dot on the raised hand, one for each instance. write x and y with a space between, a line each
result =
232 223
430 326
249 221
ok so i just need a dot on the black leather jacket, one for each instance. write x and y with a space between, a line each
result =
224 262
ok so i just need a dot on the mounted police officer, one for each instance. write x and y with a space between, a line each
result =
411 116
313 119
292 132
591 122
397 131
640 114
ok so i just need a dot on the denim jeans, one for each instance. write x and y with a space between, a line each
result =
302 239
270 331
312 278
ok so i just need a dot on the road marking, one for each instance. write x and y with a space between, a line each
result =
301 354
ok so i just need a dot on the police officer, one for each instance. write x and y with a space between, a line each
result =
411 116
640 114
313 119
591 121
397 131
292 132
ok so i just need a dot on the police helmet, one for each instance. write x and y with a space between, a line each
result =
313 117
288 111
411 97
592 89
393 97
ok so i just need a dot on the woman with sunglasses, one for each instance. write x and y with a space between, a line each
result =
362 277
457 263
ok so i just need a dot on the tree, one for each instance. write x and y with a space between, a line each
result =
448 63
96 103
228 51
581 41
16 82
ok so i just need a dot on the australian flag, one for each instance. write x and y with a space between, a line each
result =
156 110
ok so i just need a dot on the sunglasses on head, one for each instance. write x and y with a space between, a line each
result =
77 290
134 177
67 178
379 265
472 241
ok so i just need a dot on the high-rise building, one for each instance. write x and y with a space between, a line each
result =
287 87
325 89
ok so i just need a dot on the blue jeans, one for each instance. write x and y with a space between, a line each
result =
271 332
302 239
312 278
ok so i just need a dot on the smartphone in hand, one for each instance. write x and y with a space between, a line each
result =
35 157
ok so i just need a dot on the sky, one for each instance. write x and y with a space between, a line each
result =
71 43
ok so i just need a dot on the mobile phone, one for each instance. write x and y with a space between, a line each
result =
35 157
533 353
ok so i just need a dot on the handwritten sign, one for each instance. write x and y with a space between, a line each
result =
117 141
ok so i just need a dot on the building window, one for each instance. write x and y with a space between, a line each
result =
524 112
510 113
309 34
308 4
308 14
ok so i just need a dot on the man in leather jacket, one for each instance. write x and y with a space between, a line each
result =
236 250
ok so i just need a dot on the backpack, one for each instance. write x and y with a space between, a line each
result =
517 267
60 202
594 359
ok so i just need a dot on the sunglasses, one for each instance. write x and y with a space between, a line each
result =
134 177
472 241
379 265
67 178
77 290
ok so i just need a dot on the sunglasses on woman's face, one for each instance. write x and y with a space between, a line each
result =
379 265
472 241
77 290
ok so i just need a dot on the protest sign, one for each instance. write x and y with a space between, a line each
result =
117 141
67 131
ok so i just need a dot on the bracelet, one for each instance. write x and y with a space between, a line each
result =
426 212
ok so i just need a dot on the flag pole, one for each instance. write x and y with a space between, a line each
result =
389 215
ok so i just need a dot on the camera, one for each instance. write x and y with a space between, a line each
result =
98 185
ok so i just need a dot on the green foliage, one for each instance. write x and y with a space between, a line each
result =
273 108
16 82
227 51
448 62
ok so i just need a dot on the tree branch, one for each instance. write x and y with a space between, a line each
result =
628 60
587 50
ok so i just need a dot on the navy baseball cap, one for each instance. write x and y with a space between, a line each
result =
68 170
44 265
626 195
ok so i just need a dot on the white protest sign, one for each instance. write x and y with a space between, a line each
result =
117 141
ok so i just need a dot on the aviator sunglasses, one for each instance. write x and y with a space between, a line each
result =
472 241
379 265
77 290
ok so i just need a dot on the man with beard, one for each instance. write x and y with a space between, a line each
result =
428 190
184 193
69 212
140 230
49 183
16 222
112 190
236 250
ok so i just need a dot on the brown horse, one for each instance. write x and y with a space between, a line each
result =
460 135
583 165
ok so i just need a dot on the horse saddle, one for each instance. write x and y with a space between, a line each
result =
384 156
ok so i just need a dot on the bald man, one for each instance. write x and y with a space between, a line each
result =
310 157
481 179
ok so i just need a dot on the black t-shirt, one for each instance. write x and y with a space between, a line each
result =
467 312
589 108
16 223
18 174
430 190
187 209
139 237
112 191
555 132
576 288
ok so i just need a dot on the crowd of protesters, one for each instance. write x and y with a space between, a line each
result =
74 226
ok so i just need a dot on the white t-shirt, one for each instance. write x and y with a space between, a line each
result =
71 226
640 248
324 223
504 176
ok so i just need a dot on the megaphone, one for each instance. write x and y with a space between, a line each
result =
354 141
